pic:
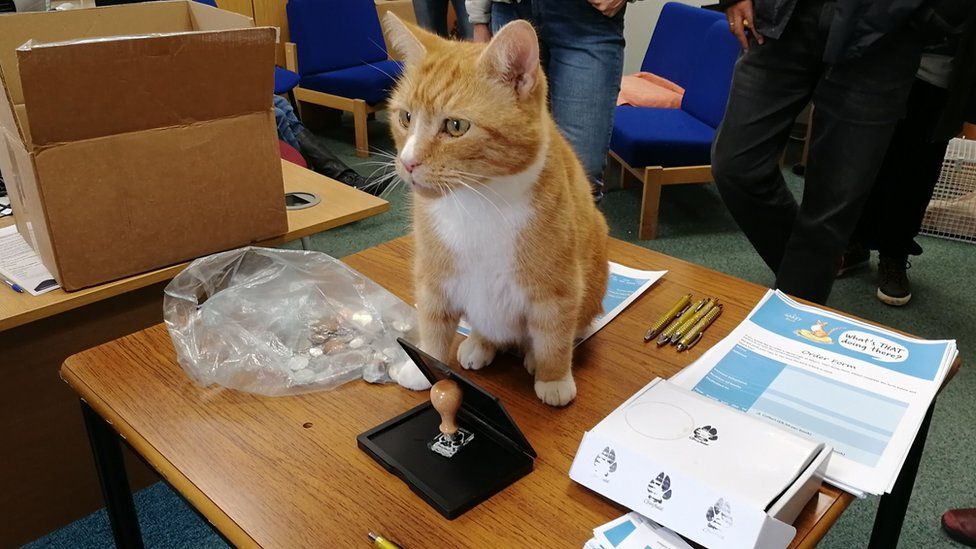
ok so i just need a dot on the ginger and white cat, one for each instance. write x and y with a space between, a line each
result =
506 231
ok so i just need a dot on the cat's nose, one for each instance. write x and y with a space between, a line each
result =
409 165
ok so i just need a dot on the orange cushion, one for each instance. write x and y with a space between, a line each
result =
644 89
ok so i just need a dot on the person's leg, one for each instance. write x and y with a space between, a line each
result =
907 180
463 25
585 62
857 105
431 15
771 85
288 124
502 13
903 189
314 149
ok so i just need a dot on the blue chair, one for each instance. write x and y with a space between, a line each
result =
338 51
695 49
285 80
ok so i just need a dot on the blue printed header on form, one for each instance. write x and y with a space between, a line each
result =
917 359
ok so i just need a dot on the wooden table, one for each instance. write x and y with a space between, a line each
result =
284 472
46 473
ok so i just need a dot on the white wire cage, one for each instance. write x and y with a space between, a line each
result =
952 211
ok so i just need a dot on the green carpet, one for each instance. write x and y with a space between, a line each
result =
696 227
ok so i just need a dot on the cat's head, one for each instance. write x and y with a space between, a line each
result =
465 113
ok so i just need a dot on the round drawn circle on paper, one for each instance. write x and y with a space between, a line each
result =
660 421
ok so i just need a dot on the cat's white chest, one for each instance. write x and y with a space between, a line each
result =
482 232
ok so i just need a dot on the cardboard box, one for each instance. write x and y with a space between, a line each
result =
138 136
710 473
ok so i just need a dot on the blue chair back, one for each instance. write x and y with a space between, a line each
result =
211 3
677 38
707 91
335 34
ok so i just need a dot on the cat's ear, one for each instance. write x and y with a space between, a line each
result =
409 41
513 56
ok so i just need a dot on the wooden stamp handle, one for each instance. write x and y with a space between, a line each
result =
445 395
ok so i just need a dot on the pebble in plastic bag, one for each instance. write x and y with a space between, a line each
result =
279 322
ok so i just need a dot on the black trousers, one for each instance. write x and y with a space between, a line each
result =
894 211
857 104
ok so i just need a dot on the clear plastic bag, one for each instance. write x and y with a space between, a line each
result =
281 322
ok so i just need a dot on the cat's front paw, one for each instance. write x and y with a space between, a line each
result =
556 393
409 375
474 353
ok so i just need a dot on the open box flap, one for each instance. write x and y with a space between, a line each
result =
209 18
96 88
20 176
8 119
52 26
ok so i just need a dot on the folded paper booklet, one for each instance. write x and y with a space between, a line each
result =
634 531
710 473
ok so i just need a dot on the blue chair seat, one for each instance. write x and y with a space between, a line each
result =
285 80
660 137
371 83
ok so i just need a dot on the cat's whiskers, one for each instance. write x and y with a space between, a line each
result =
505 218
457 201
485 184
390 76
390 174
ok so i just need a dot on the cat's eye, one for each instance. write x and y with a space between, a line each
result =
405 119
455 127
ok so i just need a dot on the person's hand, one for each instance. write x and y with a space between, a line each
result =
608 7
740 21
481 33
969 130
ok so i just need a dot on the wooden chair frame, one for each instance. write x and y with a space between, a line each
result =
653 178
359 109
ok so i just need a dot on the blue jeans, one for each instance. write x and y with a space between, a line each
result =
583 56
503 13
432 15
289 127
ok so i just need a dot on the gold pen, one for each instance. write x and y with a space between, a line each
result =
695 334
673 313
379 542
688 323
689 312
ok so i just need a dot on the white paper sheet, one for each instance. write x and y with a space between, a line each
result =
624 286
861 389
20 264
635 531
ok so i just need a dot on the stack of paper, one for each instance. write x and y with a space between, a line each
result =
20 264
861 389
634 531
624 286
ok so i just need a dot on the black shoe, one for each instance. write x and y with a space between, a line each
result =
893 286
321 160
855 256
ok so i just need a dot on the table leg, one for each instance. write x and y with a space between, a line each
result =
893 506
107 451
